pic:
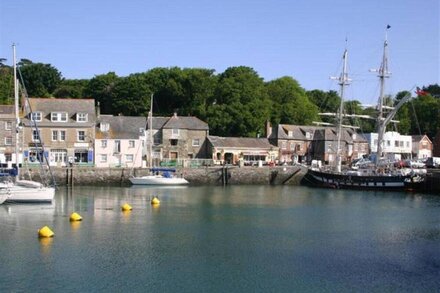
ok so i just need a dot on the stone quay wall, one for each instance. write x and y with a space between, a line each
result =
230 175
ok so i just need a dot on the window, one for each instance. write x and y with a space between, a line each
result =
196 142
141 130
175 132
396 144
54 135
290 133
388 143
8 140
131 143
308 135
375 142
104 143
81 135
35 136
292 146
36 116
81 117
173 142
103 159
128 158
8 157
401 144
407 144
62 135
104 127
58 117
117 148
8 125
59 155
283 145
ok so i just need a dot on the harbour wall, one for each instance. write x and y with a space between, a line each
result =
224 175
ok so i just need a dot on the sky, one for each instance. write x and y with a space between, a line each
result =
304 39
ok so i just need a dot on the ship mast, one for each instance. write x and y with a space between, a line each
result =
150 134
343 82
383 74
17 116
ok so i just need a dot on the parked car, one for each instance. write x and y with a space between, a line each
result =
433 162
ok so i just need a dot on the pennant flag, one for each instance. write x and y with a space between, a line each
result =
420 92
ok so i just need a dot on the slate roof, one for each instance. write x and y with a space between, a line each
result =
7 110
418 138
240 142
71 106
120 127
318 133
158 122
186 122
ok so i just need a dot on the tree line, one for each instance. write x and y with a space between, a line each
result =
236 102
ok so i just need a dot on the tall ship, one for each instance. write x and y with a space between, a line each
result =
380 173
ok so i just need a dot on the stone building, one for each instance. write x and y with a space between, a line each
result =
66 131
251 151
178 138
7 135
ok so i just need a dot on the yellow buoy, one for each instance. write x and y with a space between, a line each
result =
45 232
75 217
126 207
155 201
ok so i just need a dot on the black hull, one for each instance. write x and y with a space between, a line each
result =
343 181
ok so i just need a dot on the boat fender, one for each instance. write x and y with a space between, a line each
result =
75 217
155 201
45 232
126 207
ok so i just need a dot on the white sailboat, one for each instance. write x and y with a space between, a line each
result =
18 190
158 176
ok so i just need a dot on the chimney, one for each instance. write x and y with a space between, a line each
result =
268 129
175 114
98 110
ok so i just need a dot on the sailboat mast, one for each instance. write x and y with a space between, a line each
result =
343 82
383 74
150 133
17 118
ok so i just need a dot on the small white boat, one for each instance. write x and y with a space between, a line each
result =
160 176
26 191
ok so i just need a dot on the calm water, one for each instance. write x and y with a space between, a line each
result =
215 239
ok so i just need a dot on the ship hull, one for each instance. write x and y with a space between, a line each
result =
360 182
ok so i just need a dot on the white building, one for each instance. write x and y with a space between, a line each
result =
395 145
120 141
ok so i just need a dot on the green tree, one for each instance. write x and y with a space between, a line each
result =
71 88
290 104
39 79
6 85
131 96
241 96
101 88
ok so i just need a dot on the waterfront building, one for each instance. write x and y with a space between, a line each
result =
250 151
302 144
66 131
421 147
7 135
120 141
177 139
395 145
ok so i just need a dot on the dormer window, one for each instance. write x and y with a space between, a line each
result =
58 117
104 127
36 116
308 135
81 117
290 133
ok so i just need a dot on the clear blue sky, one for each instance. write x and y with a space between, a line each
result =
303 39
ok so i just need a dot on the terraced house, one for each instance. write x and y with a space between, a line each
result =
7 135
66 131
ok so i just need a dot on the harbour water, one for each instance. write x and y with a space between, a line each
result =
223 239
